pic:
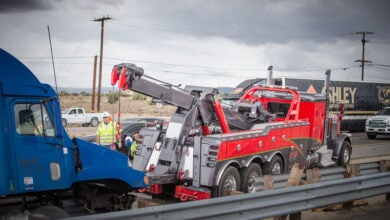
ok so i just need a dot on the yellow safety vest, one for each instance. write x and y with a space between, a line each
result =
132 149
107 133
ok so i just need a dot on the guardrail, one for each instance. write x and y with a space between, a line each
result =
280 201
321 175
265 203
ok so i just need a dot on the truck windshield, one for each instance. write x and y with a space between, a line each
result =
65 111
33 120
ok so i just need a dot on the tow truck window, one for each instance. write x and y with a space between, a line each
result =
33 120
280 109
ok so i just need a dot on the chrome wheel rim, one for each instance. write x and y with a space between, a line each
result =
230 184
346 155
277 169
251 182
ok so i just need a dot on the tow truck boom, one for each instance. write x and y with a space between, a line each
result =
196 110
132 77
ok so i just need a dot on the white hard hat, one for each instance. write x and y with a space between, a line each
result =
128 141
106 114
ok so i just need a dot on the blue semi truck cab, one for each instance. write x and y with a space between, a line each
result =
38 160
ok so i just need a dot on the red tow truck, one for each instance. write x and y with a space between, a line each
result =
208 150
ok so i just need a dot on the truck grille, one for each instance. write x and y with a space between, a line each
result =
378 124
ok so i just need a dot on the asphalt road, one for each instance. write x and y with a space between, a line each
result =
364 147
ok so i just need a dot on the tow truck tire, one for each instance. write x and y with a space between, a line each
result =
371 136
274 167
94 122
345 154
230 181
64 123
247 177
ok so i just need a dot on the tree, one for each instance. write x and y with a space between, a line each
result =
113 97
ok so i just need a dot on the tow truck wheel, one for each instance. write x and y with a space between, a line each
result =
371 136
248 176
64 123
94 122
274 167
230 181
345 154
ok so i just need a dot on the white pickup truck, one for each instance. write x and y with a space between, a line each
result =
79 116
378 124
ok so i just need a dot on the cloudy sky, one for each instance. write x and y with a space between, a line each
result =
199 42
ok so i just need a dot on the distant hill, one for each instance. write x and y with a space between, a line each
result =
87 90
221 90
225 90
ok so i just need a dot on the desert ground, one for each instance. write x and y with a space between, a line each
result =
129 106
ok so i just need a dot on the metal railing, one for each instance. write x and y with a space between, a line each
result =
326 174
269 203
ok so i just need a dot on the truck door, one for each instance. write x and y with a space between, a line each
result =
38 153
72 116
81 116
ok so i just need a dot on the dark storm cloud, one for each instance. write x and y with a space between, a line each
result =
11 6
272 21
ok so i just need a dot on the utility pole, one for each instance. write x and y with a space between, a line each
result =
102 19
94 84
363 61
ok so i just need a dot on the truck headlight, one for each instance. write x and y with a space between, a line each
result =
368 122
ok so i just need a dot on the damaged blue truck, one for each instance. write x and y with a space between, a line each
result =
40 164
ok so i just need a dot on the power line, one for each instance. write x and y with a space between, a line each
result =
185 65
157 28
237 70
379 67
377 64
218 31
380 42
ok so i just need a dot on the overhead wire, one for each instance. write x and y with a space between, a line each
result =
216 32
377 64
233 72
187 65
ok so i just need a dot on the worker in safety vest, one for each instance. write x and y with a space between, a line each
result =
106 134
131 143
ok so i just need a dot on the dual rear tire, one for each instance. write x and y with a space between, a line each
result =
274 167
248 175
233 180
230 181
